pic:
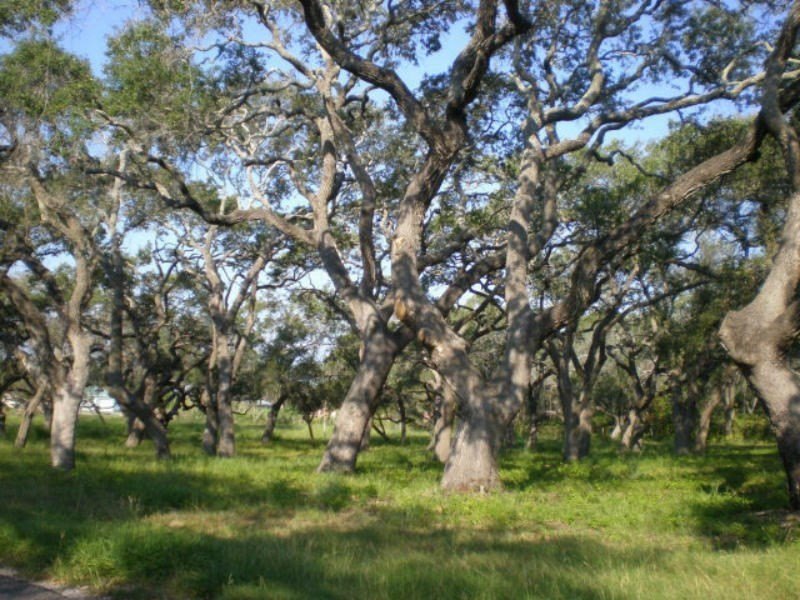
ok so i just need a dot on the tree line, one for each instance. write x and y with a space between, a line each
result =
266 197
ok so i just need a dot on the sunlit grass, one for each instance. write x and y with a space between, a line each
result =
263 525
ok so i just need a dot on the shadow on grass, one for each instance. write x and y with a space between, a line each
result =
366 561
744 499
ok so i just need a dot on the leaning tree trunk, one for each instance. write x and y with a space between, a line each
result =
704 423
27 417
352 421
272 419
758 337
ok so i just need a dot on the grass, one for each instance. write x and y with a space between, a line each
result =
263 526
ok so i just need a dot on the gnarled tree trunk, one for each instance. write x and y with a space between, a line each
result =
758 336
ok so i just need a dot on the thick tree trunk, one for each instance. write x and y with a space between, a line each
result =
2 419
759 336
704 423
272 420
226 440
472 464
66 404
67 401
27 417
341 453
577 432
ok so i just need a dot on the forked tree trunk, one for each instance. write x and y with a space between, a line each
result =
352 420
27 418
272 420
704 423
634 429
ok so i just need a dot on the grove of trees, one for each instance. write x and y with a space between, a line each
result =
471 216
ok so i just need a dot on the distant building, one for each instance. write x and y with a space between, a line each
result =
96 399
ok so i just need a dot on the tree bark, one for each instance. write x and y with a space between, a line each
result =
401 408
634 429
211 429
758 337
141 408
730 408
66 404
577 431
352 420
442 438
27 417
272 419
533 416
472 463
704 423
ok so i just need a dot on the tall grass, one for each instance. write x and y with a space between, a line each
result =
262 525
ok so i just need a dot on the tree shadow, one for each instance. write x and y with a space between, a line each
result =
744 503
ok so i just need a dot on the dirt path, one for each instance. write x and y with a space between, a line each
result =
12 587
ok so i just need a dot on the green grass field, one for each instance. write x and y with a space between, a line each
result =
263 525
